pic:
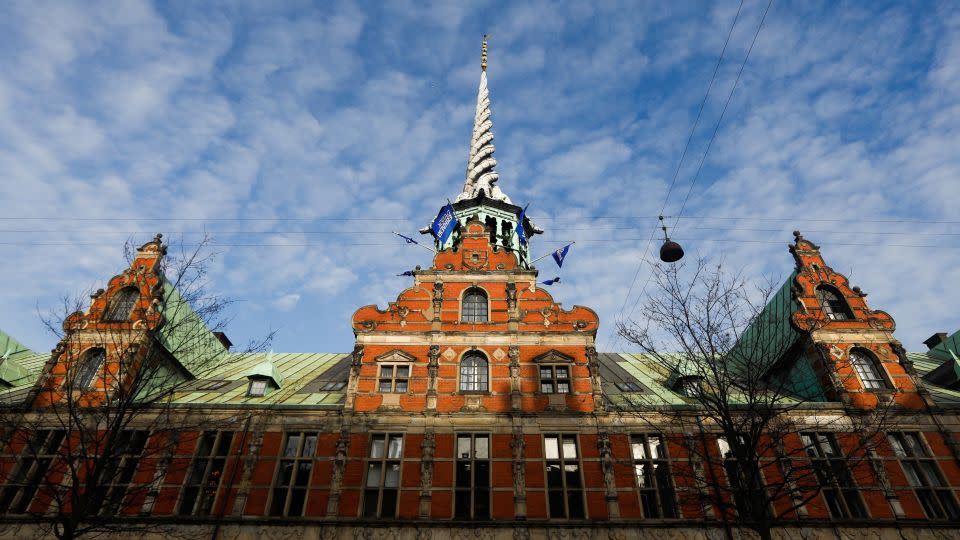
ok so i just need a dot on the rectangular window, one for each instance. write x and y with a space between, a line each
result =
394 379
555 379
564 485
258 388
31 467
472 491
924 476
119 471
652 471
293 474
206 473
836 482
382 486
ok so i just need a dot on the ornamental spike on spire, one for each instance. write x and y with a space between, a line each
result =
481 163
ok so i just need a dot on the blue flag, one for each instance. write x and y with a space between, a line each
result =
551 281
521 232
407 238
559 254
443 226
408 272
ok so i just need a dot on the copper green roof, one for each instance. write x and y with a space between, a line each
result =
19 366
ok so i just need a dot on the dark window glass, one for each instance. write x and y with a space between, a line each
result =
652 471
564 483
206 473
475 306
555 379
293 474
924 476
833 304
472 482
122 305
383 475
120 469
88 367
836 483
31 468
473 373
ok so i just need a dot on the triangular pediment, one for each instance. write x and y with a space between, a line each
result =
396 355
553 357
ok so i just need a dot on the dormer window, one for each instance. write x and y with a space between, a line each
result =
258 388
474 308
833 304
122 304
868 370
89 367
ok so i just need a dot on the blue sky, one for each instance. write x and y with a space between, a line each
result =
317 128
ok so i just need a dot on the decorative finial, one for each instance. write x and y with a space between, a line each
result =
483 54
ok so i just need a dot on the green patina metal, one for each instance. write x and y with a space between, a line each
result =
488 210
185 335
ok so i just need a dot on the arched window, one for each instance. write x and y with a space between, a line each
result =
473 373
88 367
475 306
833 304
868 370
122 304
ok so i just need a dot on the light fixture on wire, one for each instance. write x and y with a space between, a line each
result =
670 251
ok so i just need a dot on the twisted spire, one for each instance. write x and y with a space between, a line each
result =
481 163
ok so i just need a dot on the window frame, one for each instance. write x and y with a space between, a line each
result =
87 370
301 462
126 465
840 309
122 304
394 379
567 493
838 488
202 467
380 491
877 378
659 498
924 475
474 316
257 387
33 464
478 470
480 377
555 380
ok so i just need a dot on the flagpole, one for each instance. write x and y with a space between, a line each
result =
548 254
431 250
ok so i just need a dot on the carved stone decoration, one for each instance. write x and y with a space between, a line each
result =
249 463
336 477
499 354
512 299
427 448
437 299
518 445
515 398
449 354
356 361
433 367
593 363
609 478
521 533
836 352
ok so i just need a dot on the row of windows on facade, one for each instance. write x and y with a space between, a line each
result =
474 307
472 478
474 376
